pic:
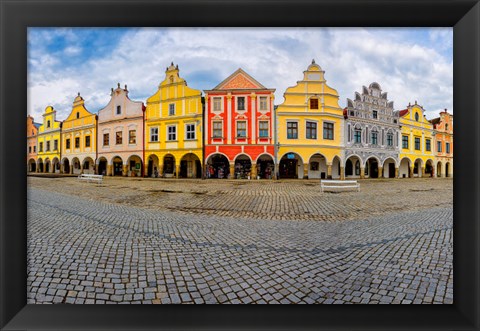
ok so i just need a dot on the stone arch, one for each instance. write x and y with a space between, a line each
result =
169 168
265 166
217 166
388 168
153 166
439 169
40 165
353 165
102 166
404 168
429 168
448 170
242 166
372 165
291 166
417 167
76 165
117 166
317 166
56 165
32 165
47 165
134 166
65 165
336 167
190 166
88 165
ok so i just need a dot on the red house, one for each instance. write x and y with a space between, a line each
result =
239 129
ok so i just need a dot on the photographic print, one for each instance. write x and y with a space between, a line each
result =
240 165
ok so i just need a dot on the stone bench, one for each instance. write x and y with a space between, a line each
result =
339 185
91 178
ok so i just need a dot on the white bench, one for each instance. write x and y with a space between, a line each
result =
91 178
339 184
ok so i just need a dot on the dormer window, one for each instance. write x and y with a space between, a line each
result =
78 114
314 103
48 124
446 127
119 110
416 117
375 114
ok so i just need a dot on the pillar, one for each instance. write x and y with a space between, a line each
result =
160 169
424 174
329 171
410 172
305 171
397 172
124 170
380 172
421 172
109 170
232 170
276 174
177 171
362 172
342 173
145 170
71 168
253 172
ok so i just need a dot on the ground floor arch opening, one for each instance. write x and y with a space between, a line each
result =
353 166
447 169
265 166
65 166
40 165
417 168
102 166
117 164
88 165
48 166
371 168
134 166
439 169
77 168
153 166
56 165
190 166
336 168
317 166
242 167
429 170
217 166
32 166
404 169
388 169
168 166
291 166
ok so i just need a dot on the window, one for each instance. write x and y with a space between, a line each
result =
48 124
446 127
439 146
417 143
77 142
118 138
48 146
241 129
240 103
292 130
106 139
328 131
153 134
171 133
311 130
67 144
34 149
55 144
217 129
78 114
389 139
374 138
190 130
404 141
171 109
447 147
29 149
428 145
263 129
375 114
87 141
119 110
132 136
416 117
358 136
314 103
263 103
217 104
40 148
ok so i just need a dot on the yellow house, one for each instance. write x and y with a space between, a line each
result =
48 138
310 129
173 124
416 143
79 139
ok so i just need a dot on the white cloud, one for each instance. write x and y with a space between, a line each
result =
276 57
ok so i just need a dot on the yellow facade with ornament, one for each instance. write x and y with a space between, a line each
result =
173 129
48 140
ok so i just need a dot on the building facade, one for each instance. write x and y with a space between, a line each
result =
239 130
32 131
79 140
416 145
173 126
310 130
120 136
372 132
48 139
443 127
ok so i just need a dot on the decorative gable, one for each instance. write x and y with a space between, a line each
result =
239 80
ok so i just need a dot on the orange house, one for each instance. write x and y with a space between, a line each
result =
443 127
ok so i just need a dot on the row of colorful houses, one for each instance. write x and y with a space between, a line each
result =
234 130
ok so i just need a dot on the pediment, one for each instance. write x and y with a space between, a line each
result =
239 80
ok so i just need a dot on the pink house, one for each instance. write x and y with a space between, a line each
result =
120 136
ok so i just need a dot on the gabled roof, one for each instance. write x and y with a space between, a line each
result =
401 112
37 125
239 80
435 121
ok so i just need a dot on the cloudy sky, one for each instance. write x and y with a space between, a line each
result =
408 63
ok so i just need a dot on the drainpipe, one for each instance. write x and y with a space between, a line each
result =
143 140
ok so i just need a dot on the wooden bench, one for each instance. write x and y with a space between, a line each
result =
91 178
339 185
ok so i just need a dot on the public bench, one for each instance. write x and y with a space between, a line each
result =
339 185
91 178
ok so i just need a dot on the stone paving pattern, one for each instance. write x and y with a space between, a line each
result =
82 248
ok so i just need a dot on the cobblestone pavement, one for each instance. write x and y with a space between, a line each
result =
265 199
91 251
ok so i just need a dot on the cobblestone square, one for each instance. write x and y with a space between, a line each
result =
155 241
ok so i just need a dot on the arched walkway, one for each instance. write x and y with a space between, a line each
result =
48 167
317 166
336 168
88 165
291 166
243 166
65 166
190 166
40 165
168 166
32 166
388 168
217 166
417 168
153 166
77 168
56 165
353 167
117 164
134 166
102 166
265 166
371 168
447 169
404 169
429 170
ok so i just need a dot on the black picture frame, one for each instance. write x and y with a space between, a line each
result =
16 16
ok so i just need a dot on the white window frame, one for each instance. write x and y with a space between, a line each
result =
170 109
157 134
286 129
268 129
267 108
168 132
221 104
187 132
246 129
213 129
244 103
